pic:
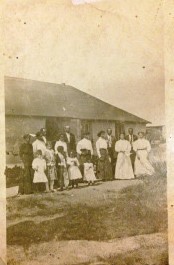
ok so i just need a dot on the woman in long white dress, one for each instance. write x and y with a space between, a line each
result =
142 148
123 168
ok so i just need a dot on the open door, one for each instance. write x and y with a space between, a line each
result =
55 126
119 128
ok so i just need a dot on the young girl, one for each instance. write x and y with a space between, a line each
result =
89 175
51 165
39 166
73 170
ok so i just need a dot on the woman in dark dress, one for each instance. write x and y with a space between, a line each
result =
26 155
104 167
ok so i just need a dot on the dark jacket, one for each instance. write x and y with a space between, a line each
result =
26 153
113 141
71 145
134 137
58 160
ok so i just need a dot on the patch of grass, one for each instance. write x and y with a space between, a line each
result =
139 209
143 256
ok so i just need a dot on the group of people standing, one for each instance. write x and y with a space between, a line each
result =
64 163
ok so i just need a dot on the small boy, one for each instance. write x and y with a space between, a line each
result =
61 166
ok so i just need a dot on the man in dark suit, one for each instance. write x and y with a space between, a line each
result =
111 140
131 137
69 139
44 134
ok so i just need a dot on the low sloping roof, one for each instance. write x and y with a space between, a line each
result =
35 98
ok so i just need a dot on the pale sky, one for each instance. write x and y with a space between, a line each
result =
110 49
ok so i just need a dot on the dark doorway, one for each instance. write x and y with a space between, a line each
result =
119 128
55 126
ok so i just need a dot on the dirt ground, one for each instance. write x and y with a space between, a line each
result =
122 222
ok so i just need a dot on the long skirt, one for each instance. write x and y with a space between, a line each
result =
104 167
82 160
63 178
123 169
26 180
132 158
112 156
142 164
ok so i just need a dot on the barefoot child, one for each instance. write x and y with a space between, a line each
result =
73 170
51 165
39 166
89 174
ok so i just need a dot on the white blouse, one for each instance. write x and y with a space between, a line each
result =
142 144
39 164
84 144
122 146
60 143
101 144
39 145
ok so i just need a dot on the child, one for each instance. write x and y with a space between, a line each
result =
51 165
89 175
73 170
61 167
39 166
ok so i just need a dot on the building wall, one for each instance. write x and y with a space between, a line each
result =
15 128
136 127
97 126
164 132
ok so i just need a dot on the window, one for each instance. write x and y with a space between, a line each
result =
85 127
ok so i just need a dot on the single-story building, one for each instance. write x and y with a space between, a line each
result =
31 105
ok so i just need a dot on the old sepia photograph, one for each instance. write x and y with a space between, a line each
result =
85 133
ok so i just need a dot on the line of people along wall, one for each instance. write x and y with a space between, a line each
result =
51 168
